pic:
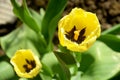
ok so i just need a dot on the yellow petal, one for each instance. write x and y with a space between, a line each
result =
26 57
87 30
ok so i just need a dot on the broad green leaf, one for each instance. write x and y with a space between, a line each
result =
63 49
99 63
67 58
68 61
111 40
6 71
46 73
23 13
58 71
22 38
37 17
114 30
51 18
71 59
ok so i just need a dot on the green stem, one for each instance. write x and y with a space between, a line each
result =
42 39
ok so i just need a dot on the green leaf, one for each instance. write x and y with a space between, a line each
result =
114 30
77 56
23 13
37 17
31 18
22 38
46 73
63 49
100 62
51 18
67 58
6 71
111 40
71 59
58 71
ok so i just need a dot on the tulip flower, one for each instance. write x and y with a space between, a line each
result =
78 30
26 64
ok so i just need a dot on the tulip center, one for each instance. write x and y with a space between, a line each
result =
29 65
76 35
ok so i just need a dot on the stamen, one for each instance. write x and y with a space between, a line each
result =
76 35
29 66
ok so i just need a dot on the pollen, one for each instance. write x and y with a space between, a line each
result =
29 65
76 34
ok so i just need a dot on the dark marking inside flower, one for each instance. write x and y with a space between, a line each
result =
70 35
29 66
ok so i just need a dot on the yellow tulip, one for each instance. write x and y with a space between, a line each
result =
78 30
26 64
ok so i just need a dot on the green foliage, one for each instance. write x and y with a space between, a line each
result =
21 38
6 71
31 18
24 14
64 57
51 18
111 40
57 70
100 62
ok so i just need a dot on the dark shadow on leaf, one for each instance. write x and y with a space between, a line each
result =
86 62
